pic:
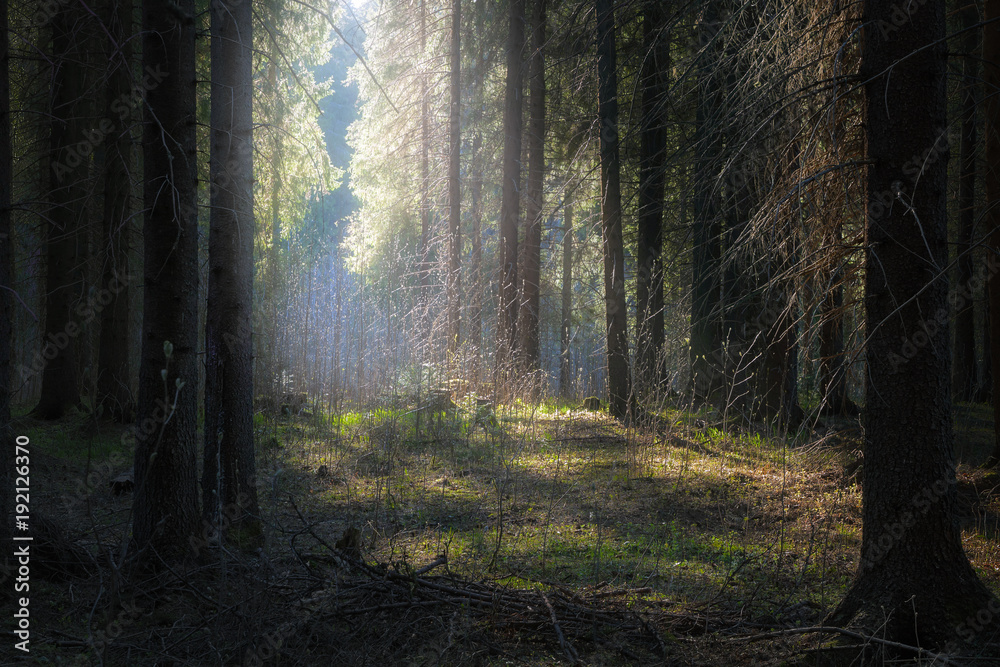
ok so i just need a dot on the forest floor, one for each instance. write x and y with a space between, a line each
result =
537 535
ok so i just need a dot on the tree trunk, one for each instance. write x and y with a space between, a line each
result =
914 583
165 508
114 380
965 380
832 362
532 249
565 370
67 193
706 330
229 479
652 160
619 380
8 463
425 186
991 206
454 184
475 120
510 201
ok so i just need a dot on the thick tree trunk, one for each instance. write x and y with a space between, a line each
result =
706 330
991 206
652 159
619 379
64 279
165 508
965 380
510 201
114 380
532 249
454 184
229 479
7 465
914 583
565 370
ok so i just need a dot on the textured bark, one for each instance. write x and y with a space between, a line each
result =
165 509
229 477
991 206
67 211
706 329
455 184
914 583
619 378
6 289
114 379
965 380
510 199
652 159
527 325
565 370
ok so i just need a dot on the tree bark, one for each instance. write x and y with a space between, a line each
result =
706 329
914 583
565 370
510 201
652 160
454 184
229 484
425 186
619 379
832 361
64 279
165 509
477 292
991 206
7 465
965 380
532 250
114 380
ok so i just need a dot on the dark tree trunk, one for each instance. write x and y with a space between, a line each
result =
7 465
510 200
565 370
532 249
914 583
229 478
991 214
619 379
706 329
832 362
965 380
114 380
64 280
454 183
165 508
652 159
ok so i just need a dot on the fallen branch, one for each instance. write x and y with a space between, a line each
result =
939 658
567 648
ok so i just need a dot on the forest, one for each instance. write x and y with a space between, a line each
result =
495 332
